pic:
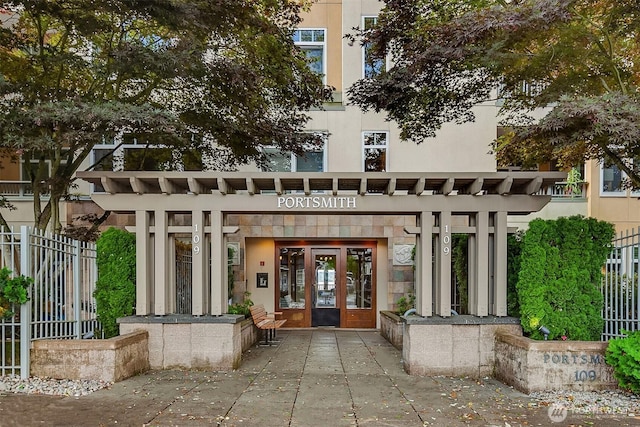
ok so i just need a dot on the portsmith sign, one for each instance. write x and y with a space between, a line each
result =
316 202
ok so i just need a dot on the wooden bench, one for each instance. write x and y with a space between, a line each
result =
265 321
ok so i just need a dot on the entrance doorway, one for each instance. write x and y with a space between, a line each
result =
327 284
326 287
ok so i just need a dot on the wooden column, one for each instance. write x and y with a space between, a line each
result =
199 264
424 267
443 262
500 262
161 247
218 266
143 263
482 263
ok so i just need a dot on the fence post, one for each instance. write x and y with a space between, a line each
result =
77 265
25 309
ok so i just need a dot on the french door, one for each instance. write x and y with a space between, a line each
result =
327 284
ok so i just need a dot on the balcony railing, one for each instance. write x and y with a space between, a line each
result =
17 189
567 191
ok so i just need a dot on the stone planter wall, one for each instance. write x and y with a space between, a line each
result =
249 334
111 360
530 365
392 328
457 345
191 342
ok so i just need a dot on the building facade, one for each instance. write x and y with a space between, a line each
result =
297 243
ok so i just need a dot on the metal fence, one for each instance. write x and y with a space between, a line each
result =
61 300
184 262
620 287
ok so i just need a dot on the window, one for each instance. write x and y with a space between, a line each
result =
375 146
292 278
136 154
312 43
31 168
371 67
313 160
611 180
359 277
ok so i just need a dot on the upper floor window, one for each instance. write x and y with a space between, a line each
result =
611 179
371 67
313 43
134 153
375 147
313 160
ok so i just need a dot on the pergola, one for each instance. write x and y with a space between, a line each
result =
485 199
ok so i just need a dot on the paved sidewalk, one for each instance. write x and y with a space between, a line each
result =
320 377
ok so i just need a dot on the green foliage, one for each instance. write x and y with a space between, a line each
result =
623 354
460 268
230 275
242 307
13 290
116 286
405 303
217 78
514 248
559 281
578 58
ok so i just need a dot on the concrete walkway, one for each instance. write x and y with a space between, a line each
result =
320 377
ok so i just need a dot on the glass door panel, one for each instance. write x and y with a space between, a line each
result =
325 281
326 288
292 278
359 280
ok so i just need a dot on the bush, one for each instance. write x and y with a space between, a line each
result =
560 274
116 286
623 354
405 303
514 249
242 307
13 290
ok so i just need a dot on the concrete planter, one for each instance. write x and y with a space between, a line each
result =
192 342
112 360
530 365
249 334
456 345
392 328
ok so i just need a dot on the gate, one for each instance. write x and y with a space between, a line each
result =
620 287
184 262
61 299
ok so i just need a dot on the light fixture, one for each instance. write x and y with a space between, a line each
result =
544 331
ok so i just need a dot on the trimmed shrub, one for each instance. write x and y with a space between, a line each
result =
514 249
116 286
560 274
623 354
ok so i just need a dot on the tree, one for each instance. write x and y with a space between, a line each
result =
579 59
216 78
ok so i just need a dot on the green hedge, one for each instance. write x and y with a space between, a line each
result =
116 286
560 273
623 354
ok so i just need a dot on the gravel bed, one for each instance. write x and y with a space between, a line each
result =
592 402
35 385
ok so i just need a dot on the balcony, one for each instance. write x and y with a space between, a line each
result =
15 190
567 191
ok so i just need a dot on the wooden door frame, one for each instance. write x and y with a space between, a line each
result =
349 318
